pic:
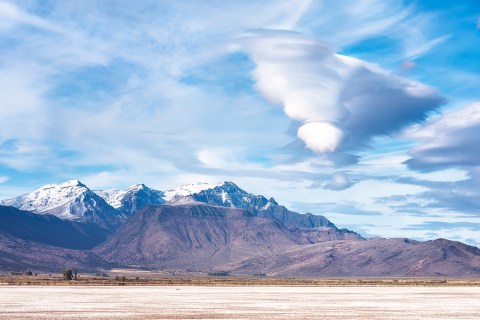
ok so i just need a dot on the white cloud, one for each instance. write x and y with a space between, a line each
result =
342 103
321 137
414 52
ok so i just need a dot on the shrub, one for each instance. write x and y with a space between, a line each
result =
67 274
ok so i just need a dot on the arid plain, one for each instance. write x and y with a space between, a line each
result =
239 302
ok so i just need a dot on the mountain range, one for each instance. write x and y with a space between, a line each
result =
203 227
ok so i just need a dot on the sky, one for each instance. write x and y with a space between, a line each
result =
367 111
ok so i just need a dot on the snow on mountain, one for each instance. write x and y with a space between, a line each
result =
226 194
50 197
187 190
132 199
71 200
111 196
109 209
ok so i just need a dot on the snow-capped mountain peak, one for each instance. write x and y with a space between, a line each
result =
71 200
50 197
225 194
131 199
67 184
137 187
114 197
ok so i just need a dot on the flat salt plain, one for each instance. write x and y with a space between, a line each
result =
183 302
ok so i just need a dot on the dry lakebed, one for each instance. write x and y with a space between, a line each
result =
238 302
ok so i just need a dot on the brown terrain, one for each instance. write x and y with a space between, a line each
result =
200 237
370 258
20 254
135 277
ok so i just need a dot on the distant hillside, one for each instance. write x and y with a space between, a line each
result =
371 258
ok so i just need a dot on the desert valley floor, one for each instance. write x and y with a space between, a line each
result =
265 302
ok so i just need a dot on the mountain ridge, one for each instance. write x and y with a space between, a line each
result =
205 227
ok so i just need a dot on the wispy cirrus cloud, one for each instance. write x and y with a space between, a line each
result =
13 15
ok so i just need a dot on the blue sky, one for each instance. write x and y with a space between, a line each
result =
365 111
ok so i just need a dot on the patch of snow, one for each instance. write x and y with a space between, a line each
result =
111 196
188 189
265 207
181 200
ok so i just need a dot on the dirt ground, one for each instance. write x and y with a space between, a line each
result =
121 277
233 302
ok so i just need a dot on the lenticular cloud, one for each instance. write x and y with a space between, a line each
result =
340 102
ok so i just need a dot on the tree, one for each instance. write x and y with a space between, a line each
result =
67 274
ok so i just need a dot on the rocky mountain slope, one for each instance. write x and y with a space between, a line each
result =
200 236
45 243
17 254
49 229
